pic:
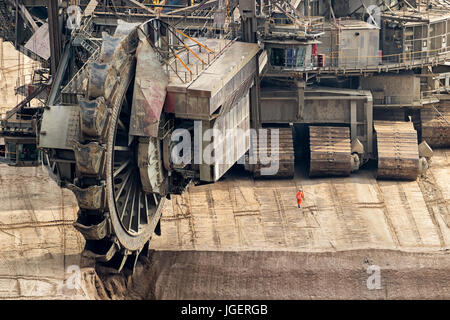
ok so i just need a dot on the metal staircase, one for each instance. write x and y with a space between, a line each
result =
84 37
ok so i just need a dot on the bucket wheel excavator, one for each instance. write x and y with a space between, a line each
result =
105 129
113 103
112 144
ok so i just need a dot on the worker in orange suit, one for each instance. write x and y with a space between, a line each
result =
300 197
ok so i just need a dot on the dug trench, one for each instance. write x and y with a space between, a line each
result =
283 275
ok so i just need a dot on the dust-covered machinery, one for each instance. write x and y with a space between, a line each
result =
143 99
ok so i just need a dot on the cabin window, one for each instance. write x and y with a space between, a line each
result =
277 57
28 152
291 58
11 152
288 58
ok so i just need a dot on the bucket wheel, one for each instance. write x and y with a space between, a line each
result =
118 215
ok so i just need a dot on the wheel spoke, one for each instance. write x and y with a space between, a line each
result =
121 148
125 205
125 106
136 208
145 216
122 187
121 126
138 211
122 166
150 212
133 205
156 200
130 140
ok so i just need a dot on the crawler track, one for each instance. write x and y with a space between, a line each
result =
398 154
435 124
284 151
330 151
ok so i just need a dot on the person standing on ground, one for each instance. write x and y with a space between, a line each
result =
300 197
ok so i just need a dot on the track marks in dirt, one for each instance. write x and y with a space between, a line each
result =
435 202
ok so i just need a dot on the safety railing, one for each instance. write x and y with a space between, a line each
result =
396 100
83 34
425 97
23 80
406 58
339 61
76 81
184 70
434 93
309 24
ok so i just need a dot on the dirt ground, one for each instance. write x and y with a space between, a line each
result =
241 238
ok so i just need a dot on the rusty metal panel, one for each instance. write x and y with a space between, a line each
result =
237 117
60 127
171 102
213 88
89 157
149 91
90 198
39 42
279 104
247 71
93 116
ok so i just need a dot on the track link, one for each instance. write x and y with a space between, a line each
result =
435 124
284 152
330 151
398 153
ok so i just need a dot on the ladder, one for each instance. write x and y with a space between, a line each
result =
84 35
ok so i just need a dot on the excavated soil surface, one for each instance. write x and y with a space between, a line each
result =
241 238
283 275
